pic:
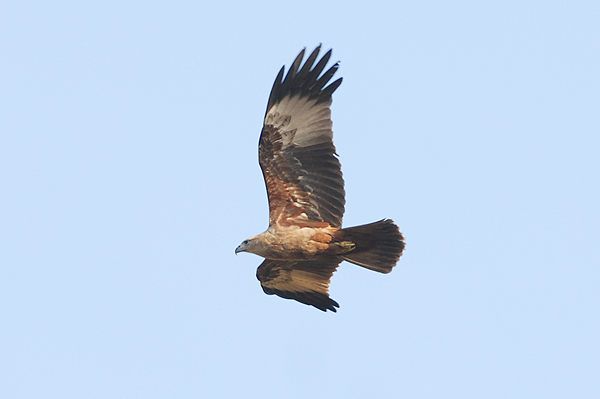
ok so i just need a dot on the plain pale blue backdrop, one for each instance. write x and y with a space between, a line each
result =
129 174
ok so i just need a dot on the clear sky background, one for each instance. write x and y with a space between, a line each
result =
129 174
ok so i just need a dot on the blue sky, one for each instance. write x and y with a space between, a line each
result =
129 174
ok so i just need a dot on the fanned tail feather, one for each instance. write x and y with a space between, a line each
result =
379 245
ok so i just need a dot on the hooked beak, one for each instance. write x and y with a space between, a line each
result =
240 248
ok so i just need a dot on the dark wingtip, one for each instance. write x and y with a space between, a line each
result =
311 81
328 306
314 299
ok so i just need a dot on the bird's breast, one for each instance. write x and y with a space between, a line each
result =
297 244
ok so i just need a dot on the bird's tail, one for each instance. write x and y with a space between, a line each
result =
376 246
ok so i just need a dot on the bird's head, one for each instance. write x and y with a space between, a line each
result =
246 246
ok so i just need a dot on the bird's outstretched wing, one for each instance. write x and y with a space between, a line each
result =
296 152
303 281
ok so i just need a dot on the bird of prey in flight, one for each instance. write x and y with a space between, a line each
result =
305 241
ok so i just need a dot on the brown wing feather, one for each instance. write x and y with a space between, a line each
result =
303 281
296 152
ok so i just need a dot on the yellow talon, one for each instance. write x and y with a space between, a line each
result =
347 245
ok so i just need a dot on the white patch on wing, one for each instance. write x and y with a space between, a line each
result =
301 121
308 281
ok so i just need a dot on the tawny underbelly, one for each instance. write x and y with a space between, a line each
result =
303 244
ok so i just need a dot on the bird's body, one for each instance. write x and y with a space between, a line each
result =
300 243
293 242
305 241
